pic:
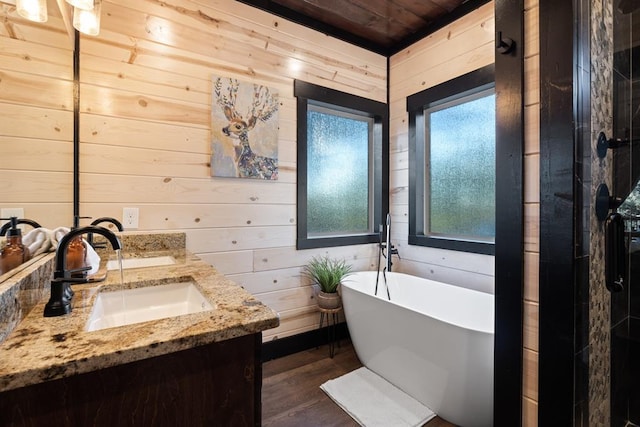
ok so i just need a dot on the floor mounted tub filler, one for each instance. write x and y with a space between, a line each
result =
432 340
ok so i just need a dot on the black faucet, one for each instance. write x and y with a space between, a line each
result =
113 221
30 222
61 295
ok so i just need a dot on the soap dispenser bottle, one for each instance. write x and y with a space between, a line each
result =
77 253
14 252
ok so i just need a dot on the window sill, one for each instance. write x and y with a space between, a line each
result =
486 248
326 242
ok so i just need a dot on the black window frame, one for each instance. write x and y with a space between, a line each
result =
308 93
474 81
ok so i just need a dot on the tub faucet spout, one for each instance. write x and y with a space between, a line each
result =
61 294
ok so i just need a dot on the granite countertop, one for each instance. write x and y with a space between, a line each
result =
46 348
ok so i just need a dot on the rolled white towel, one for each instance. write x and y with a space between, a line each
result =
37 240
57 234
92 258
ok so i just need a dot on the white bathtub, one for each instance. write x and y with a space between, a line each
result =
433 341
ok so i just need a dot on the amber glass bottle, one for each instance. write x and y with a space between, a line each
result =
14 253
76 256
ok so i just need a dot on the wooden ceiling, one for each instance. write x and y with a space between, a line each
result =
383 26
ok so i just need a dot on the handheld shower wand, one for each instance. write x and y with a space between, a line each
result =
389 252
389 247
379 255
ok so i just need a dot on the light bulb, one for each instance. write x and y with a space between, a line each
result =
81 4
33 10
88 21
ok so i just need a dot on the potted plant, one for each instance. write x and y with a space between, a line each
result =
327 273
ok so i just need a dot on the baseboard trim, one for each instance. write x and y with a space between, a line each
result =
296 343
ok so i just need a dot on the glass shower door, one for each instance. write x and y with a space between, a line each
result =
625 313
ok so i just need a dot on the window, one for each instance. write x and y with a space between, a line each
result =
630 209
342 180
452 164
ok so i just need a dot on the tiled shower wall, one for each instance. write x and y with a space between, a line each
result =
599 298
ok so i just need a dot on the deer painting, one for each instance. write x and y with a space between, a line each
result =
261 108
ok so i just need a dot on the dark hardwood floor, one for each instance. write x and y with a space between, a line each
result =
291 394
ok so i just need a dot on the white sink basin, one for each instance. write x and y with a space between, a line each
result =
141 262
129 306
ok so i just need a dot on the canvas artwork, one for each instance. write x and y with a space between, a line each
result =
244 136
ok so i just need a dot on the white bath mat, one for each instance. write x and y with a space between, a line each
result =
373 401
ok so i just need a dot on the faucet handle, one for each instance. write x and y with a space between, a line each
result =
394 251
59 276
69 280
78 270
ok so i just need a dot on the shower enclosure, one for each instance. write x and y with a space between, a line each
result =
625 176
589 290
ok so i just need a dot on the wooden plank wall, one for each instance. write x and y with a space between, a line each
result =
36 117
461 47
456 49
145 134
145 113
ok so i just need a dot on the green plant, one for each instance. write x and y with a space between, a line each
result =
327 272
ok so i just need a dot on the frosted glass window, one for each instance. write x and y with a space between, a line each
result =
452 155
461 168
338 173
341 171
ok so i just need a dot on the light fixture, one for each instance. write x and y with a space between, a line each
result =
88 21
33 10
81 4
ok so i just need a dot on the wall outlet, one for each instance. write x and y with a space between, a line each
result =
130 218
9 212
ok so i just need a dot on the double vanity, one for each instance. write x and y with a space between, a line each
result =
174 343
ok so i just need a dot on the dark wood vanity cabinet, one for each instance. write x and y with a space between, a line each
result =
215 384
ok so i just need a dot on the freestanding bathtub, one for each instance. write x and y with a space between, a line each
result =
432 340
